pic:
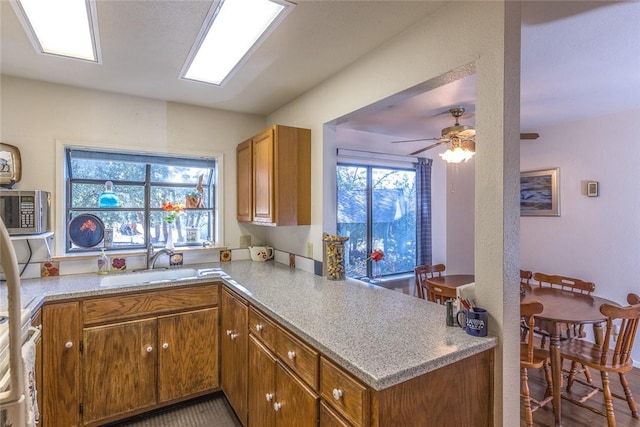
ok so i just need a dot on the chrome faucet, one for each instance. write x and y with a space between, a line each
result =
153 257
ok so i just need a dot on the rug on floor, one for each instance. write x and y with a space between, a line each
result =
209 411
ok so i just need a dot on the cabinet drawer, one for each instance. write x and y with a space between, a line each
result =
263 328
302 359
344 393
127 306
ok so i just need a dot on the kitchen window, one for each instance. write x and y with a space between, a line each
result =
126 191
377 210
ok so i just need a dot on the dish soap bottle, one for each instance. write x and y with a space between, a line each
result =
108 199
103 263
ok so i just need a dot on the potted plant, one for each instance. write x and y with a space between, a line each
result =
193 199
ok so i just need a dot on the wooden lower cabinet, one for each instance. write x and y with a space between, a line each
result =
234 333
121 361
181 372
277 397
60 386
329 418
109 358
119 369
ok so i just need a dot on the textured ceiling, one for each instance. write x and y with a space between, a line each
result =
579 59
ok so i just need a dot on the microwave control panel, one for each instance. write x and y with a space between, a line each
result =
27 212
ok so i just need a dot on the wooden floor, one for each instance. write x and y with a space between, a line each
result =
573 415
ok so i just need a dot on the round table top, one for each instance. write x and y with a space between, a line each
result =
452 280
566 306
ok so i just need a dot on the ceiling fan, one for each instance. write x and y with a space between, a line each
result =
460 136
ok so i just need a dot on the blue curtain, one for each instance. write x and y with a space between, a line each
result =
423 211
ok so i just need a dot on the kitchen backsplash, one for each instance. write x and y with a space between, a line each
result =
69 265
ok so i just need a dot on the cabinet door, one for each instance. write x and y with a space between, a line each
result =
119 369
234 352
187 354
296 403
263 178
262 384
60 365
244 181
328 418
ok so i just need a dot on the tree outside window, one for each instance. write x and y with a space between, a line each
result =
126 192
376 210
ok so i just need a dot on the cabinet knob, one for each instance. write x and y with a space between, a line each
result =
291 355
229 331
233 336
269 397
337 393
259 327
69 344
165 345
277 406
149 349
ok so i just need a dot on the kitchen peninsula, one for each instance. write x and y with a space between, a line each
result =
411 368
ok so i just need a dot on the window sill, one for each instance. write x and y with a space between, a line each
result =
133 252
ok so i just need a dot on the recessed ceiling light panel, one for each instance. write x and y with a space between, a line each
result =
232 30
65 28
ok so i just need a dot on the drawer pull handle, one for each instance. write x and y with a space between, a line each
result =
165 345
69 344
277 406
269 397
291 355
337 393
149 349
259 327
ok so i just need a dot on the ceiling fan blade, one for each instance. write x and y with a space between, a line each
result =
529 135
429 147
416 140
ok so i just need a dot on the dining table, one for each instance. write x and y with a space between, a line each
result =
562 306
446 284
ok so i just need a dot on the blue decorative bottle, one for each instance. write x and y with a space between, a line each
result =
108 199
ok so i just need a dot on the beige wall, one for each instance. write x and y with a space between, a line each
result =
38 116
432 48
35 115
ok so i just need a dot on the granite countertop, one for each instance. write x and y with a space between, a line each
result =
382 337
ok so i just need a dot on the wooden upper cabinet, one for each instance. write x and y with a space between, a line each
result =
244 179
274 177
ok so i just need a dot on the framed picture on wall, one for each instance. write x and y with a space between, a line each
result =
539 192
10 165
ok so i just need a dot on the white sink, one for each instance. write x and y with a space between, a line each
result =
159 276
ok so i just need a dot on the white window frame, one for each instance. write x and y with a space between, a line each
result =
58 212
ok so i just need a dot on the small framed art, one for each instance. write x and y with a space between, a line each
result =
539 192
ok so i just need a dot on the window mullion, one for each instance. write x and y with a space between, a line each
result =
147 205
369 218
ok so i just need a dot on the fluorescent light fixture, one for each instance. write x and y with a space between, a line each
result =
232 29
61 27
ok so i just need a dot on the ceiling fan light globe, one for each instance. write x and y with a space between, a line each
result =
457 155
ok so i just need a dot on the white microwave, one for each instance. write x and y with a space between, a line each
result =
25 211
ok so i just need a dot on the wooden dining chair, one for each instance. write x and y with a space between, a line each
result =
605 359
424 272
570 284
525 277
532 357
